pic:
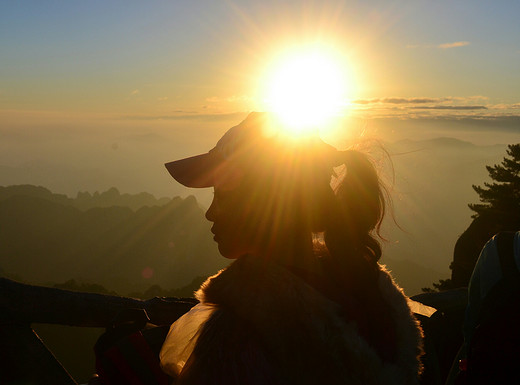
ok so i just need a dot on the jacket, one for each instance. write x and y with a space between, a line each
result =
258 323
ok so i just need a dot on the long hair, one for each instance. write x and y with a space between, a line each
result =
296 200
351 237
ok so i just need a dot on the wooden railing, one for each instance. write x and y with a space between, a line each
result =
24 358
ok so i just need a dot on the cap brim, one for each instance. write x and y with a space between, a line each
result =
196 171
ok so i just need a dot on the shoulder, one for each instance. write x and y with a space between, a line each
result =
408 329
256 286
275 311
297 325
392 292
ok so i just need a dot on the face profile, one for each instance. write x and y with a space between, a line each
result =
230 223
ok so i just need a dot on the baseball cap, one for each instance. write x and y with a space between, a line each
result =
206 169
252 144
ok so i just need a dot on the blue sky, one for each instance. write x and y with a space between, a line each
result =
58 53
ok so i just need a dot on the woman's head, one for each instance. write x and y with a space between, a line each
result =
272 195
274 206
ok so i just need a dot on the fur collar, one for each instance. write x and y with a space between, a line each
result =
302 329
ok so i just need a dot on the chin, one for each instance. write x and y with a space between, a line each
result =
226 253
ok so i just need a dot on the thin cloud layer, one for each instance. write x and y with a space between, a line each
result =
392 100
455 44
467 108
515 106
190 115
451 107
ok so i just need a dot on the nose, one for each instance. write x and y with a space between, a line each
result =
211 212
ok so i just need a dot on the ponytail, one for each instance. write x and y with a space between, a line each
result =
359 204
359 208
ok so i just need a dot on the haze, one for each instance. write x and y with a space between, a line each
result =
100 94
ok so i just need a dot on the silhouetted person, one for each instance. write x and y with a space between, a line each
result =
491 334
305 301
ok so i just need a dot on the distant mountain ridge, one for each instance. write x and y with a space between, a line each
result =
440 141
85 200
44 238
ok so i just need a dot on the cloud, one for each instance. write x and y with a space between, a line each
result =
467 102
475 97
134 92
229 99
412 100
455 44
515 106
163 98
221 105
475 107
507 122
450 107
190 115
393 100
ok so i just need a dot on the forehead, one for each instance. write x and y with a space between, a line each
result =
227 176
230 196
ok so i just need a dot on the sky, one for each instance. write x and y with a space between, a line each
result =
146 60
81 81
99 94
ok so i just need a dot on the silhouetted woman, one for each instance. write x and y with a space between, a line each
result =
305 301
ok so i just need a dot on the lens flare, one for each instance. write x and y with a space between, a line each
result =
147 272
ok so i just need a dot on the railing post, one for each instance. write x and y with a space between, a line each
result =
24 358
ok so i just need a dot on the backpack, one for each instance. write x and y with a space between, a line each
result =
128 351
494 350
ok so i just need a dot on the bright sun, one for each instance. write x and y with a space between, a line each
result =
306 89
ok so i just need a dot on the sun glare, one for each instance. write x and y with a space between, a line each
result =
305 90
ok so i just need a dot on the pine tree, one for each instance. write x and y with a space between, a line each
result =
503 195
499 210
